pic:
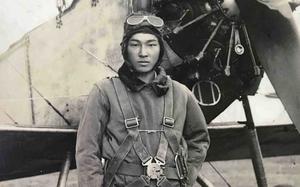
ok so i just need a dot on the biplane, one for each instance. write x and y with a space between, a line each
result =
220 49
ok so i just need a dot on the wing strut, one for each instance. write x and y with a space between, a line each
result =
255 151
63 175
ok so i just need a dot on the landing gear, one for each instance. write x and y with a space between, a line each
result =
64 172
255 151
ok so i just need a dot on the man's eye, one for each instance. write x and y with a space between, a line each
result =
133 44
153 45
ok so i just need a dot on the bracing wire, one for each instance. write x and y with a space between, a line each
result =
40 94
219 173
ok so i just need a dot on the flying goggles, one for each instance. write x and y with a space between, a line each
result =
138 19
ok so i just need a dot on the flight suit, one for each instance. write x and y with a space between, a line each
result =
102 131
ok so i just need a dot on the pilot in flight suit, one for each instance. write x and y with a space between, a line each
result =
148 128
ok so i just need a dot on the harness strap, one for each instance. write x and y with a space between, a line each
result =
129 115
143 181
130 118
136 170
168 137
131 122
164 182
168 121
141 150
133 138
162 150
168 126
116 161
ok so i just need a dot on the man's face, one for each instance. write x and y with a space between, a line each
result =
143 51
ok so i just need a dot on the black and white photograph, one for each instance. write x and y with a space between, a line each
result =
150 93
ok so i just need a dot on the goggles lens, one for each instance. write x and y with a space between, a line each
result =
153 20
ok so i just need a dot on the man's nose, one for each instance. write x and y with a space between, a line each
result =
143 51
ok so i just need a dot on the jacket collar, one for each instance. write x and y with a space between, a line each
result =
129 77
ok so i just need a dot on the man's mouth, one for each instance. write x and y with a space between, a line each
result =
143 62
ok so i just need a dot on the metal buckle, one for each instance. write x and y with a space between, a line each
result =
154 170
159 161
148 161
169 122
131 122
161 180
178 169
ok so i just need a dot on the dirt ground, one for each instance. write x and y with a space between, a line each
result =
283 171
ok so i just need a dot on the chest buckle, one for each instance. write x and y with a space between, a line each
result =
154 170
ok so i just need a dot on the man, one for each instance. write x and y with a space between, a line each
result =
148 128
